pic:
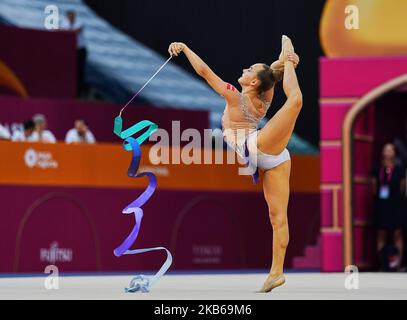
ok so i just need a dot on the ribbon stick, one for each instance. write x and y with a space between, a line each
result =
148 81
139 283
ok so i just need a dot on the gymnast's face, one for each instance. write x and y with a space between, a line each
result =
249 76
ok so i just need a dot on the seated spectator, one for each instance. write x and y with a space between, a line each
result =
4 133
26 135
41 134
80 134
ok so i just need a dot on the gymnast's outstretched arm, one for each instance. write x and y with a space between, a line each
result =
200 67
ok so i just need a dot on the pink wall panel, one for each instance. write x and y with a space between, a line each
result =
340 208
364 123
332 257
362 158
331 117
354 77
331 164
363 200
326 208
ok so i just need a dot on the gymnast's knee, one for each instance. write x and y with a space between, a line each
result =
278 218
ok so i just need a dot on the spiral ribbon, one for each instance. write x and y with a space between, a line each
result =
140 283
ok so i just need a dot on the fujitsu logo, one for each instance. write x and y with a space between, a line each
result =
56 254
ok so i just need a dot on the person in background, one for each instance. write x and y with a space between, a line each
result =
4 133
80 133
25 135
41 134
71 23
388 188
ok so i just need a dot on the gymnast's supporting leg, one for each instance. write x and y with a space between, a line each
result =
276 191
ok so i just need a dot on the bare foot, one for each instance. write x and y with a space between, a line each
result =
272 282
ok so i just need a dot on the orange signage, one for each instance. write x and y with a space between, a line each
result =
105 165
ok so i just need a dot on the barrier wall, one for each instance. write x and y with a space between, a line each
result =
61 204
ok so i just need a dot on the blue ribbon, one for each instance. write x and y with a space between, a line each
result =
117 129
255 175
141 282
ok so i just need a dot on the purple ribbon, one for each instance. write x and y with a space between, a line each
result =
139 283
255 175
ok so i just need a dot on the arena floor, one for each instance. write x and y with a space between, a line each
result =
211 286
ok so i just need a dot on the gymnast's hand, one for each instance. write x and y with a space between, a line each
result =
176 48
294 58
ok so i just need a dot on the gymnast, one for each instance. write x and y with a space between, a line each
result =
265 147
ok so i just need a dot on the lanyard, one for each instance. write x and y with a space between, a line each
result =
388 177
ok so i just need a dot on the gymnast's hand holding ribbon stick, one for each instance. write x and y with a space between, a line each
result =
139 283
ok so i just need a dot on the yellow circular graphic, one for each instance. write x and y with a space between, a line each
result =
364 28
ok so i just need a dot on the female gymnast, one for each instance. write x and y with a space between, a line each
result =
243 112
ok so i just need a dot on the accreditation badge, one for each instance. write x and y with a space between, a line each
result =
384 192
